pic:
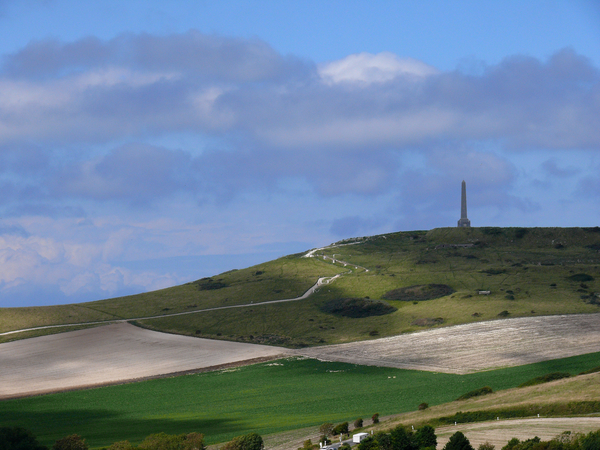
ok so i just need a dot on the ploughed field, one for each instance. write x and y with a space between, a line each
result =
112 354
123 352
476 346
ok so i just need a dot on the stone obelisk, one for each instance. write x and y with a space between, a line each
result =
463 222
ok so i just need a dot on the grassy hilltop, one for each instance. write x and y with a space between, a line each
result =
528 271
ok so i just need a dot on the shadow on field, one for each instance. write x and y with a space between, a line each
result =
102 427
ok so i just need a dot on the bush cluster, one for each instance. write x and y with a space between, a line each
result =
357 307
546 378
476 393
20 439
401 439
419 292
564 441
208 284
547 410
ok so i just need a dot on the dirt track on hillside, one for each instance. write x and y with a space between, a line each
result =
474 347
111 354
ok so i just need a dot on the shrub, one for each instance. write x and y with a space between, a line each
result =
528 444
18 438
368 443
419 292
162 441
520 232
375 418
493 271
252 441
342 428
208 284
121 445
72 442
423 406
357 307
504 313
358 423
476 393
308 445
593 370
194 441
326 429
492 231
581 277
486 446
546 378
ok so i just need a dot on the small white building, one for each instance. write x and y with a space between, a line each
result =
356 438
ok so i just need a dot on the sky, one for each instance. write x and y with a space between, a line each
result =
145 144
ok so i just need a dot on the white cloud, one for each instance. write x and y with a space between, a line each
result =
369 68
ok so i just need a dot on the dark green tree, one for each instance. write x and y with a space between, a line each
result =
425 437
375 418
486 446
368 443
18 438
384 441
72 442
591 441
458 441
358 423
342 428
528 444
402 439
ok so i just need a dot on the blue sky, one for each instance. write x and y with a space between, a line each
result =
146 144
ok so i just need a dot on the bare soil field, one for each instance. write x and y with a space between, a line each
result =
474 347
122 352
111 354
500 432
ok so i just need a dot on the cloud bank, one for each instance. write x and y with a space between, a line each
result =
144 147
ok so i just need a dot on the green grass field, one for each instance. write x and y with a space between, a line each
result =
264 398
526 270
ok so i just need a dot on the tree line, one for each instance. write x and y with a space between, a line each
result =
425 439
399 438
17 438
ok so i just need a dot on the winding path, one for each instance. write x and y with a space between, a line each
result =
321 281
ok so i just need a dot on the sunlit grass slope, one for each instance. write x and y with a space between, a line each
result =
267 398
286 277
528 271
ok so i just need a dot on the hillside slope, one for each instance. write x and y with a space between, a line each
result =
391 284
